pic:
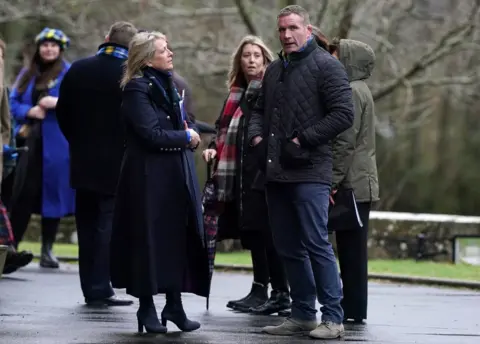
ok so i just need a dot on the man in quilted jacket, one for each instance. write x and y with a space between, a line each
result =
305 102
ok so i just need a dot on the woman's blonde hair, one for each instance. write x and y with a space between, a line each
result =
141 50
235 73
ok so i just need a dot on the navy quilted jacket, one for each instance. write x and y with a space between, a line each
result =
307 96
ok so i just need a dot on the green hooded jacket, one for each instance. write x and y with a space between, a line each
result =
354 161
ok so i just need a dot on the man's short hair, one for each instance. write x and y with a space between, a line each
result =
122 33
295 9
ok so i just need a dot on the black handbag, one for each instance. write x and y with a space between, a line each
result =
343 213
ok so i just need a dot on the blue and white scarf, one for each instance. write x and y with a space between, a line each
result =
114 51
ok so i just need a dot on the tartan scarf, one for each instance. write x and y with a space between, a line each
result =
113 50
6 234
226 142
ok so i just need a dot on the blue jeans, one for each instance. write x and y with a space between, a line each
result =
298 217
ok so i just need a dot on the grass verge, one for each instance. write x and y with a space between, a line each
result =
394 267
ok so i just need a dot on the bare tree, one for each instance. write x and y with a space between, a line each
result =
425 83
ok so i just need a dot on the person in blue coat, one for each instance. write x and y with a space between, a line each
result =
42 183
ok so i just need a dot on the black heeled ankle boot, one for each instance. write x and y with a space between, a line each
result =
47 259
147 317
174 312
279 301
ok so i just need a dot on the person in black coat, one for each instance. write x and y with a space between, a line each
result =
158 240
88 112
241 190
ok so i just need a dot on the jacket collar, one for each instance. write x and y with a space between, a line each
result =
310 45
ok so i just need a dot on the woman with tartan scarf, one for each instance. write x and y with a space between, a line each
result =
240 182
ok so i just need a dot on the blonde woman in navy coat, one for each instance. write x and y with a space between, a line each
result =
158 239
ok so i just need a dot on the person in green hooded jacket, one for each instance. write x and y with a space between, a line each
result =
354 166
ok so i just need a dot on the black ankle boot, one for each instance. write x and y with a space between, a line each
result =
147 317
47 259
16 260
233 303
278 301
255 288
257 296
174 312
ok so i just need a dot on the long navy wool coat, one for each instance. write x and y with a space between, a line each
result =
158 240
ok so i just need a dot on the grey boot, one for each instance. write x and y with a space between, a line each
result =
291 327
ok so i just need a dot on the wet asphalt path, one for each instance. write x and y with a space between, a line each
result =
40 306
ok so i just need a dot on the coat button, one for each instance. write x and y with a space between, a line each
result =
168 117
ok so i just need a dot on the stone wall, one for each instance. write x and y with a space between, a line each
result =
67 232
395 235
392 235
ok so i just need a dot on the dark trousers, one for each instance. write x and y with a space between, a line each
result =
19 219
26 197
267 265
93 217
7 188
353 257
298 216
29 201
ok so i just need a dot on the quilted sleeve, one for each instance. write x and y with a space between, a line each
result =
336 94
255 127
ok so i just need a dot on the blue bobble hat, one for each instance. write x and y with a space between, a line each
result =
53 35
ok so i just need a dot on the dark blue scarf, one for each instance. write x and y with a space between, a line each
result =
164 81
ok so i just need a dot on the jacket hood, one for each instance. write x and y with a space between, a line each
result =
358 59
